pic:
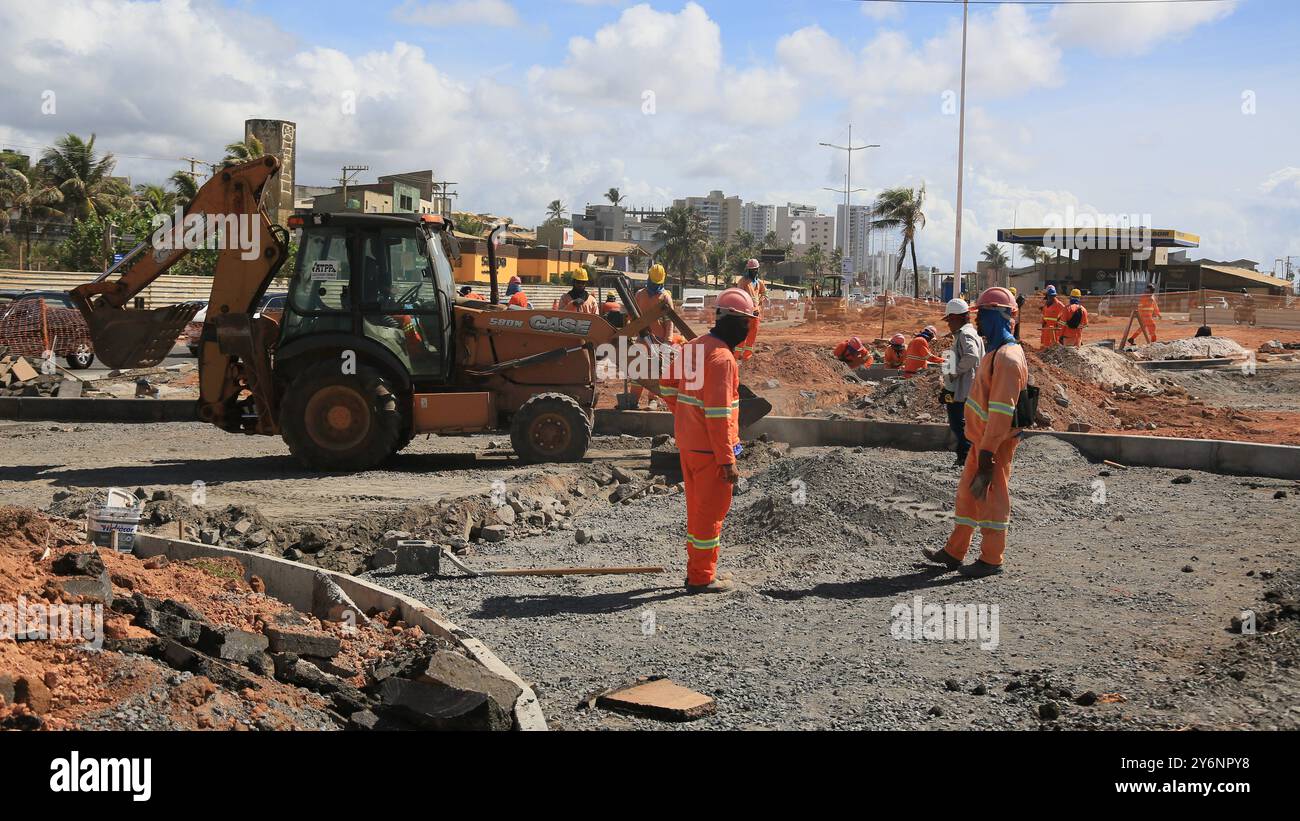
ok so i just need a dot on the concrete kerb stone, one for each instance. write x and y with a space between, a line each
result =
80 409
1209 455
293 583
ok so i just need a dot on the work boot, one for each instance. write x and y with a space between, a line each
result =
979 568
941 556
715 586
724 575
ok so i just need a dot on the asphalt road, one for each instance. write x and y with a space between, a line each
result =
178 355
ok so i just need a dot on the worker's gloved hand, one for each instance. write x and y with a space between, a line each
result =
729 473
979 486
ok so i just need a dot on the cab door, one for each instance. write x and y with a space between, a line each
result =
401 304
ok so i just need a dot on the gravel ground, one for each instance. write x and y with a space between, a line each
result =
1121 584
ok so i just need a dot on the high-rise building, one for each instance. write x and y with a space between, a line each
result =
279 139
802 226
859 240
757 219
720 212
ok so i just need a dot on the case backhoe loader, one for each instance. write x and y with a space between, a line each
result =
373 348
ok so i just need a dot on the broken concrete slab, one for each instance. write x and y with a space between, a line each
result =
435 707
661 699
83 563
456 672
302 642
231 644
87 589
417 556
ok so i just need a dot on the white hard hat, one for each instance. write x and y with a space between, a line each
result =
956 306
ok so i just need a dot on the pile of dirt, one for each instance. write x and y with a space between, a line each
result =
1214 347
192 645
1101 366
904 400
797 377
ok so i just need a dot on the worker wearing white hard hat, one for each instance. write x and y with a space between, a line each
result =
960 363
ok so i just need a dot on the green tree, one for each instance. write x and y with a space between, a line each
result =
770 240
154 199
241 152
555 214
184 188
470 224
901 209
33 200
686 237
996 257
82 177
815 259
614 196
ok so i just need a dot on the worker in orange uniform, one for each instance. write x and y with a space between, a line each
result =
918 356
750 283
610 305
515 293
1053 312
983 493
576 298
1148 312
704 395
1074 320
646 299
853 353
894 353
467 292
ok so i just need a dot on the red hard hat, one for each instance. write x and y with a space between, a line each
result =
751 265
897 339
996 297
735 301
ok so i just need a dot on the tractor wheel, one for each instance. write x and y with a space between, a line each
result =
80 360
550 427
333 421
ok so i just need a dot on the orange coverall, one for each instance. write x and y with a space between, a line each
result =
644 300
1053 316
1073 336
706 422
1148 312
990 410
519 298
587 306
918 356
757 291
474 295
854 359
893 357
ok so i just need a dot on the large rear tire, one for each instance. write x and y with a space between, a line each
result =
333 421
550 427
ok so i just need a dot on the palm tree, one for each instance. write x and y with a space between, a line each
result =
236 153
184 188
685 234
155 198
614 197
555 213
996 257
34 200
900 208
771 240
716 260
84 179
815 259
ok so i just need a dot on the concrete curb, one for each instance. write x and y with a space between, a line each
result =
1181 364
40 409
292 583
1209 455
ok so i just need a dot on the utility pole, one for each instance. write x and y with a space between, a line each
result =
445 195
195 162
961 146
350 171
848 180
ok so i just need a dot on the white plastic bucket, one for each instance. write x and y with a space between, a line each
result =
118 516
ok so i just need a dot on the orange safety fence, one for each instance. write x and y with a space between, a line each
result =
30 327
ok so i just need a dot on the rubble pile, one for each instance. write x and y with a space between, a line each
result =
1214 347
1100 365
192 645
20 377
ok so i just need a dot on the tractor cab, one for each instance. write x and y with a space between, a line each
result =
379 282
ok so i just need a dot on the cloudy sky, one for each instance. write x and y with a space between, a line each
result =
1188 112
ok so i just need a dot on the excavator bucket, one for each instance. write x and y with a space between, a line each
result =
135 338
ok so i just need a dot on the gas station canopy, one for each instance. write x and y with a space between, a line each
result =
1099 238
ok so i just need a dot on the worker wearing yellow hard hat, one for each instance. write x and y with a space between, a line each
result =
646 299
577 299
1074 320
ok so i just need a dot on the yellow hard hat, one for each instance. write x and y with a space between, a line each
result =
580 275
657 274
1076 292
1013 290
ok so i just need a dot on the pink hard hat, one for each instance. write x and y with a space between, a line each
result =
751 264
996 297
735 301
515 281
898 339
855 343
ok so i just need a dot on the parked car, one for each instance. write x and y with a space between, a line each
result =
271 307
32 322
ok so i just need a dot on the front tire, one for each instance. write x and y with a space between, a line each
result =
333 421
550 427
80 360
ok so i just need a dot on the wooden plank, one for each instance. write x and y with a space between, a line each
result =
570 571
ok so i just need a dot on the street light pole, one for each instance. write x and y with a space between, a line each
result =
961 146
848 180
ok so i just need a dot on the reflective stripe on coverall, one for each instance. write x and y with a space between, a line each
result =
1148 311
1053 312
757 291
706 422
990 410
918 356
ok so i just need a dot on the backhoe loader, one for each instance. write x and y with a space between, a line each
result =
373 348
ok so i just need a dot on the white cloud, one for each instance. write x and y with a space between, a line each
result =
1288 177
881 10
1131 28
440 13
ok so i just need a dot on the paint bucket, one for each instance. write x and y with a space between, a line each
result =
120 515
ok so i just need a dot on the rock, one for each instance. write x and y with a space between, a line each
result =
231 644
383 557
6 690
952 685
506 515
1281 494
81 588
392 537
1182 480
1238 675
142 493
1080 427
60 495
622 492
435 707
85 563
1086 699
302 642
243 526
935 711
1062 401
209 535
363 720
581 536
256 584
495 533
621 476
162 496
660 440
1187 568
979 690
459 673
417 556
293 554
31 690
258 538
1049 711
